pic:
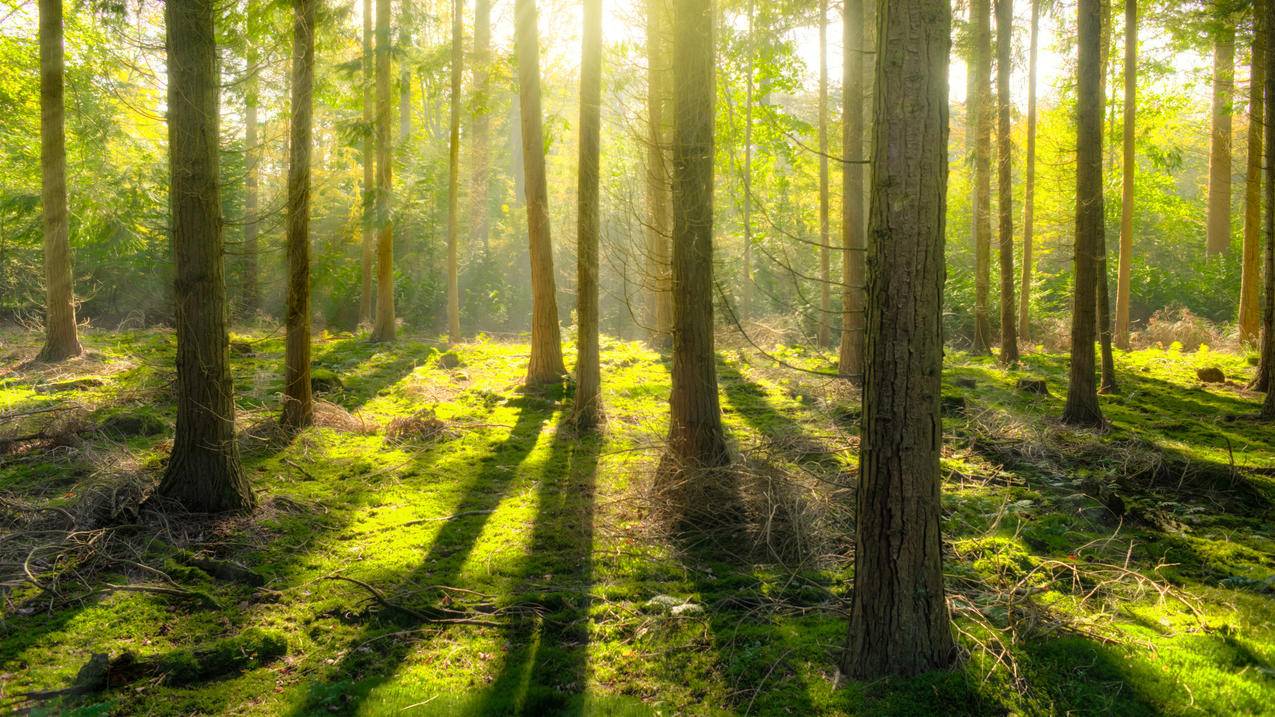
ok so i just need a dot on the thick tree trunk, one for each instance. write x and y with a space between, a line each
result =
825 246
384 329
587 413
657 280
546 339
60 339
1129 168
1082 392
696 438
746 282
453 176
1250 318
982 210
898 615
1029 180
298 403
250 299
203 472
852 269
1108 373
1005 179
481 191
369 191
1219 213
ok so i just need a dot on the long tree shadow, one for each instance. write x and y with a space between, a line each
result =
359 672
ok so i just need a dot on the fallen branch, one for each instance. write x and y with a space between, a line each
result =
380 598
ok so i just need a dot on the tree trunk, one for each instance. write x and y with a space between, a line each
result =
982 115
852 269
587 412
898 616
1029 180
251 289
482 124
1108 382
453 176
60 339
546 344
1219 213
405 20
203 472
1265 382
696 439
1082 392
298 403
384 329
825 247
746 282
1250 318
369 192
1129 167
1005 179
659 313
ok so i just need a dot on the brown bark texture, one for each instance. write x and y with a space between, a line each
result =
298 401
852 258
587 412
384 328
1005 179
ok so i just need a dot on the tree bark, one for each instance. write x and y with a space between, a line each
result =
587 412
659 314
1029 180
898 617
203 473
746 301
852 269
60 339
1108 373
482 124
982 115
1129 168
1082 394
405 21
546 364
1265 382
1250 315
384 329
298 403
368 223
453 176
825 246
696 439
1219 211
251 289
1005 179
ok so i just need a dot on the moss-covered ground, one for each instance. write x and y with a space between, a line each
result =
518 568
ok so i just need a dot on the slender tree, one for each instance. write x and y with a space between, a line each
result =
250 300
1029 179
1219 208
899 622
406 19
746 299
546 339
368 224
1005 179
1103 295
1129 166
980 96
1250 315
60 338
852 269
453 176
825 246
384 328
481 190
203 473
587 412
298 403
1082 392
696 438
1265 382
659 312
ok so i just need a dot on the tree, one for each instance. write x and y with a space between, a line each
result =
980 96
406 18
852 269
696 439
1219 211
1029 179
369 191
1108 383
384 328
1264 376
659 312
546 364
1005 178
825 248
899 623
203 472
1250 315
298 403
587 412
60 338
453 176
482 123
251 288
1082 392
746 299
1129 167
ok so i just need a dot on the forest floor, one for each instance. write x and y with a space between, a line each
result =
442 544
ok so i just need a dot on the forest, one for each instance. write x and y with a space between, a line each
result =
637 357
